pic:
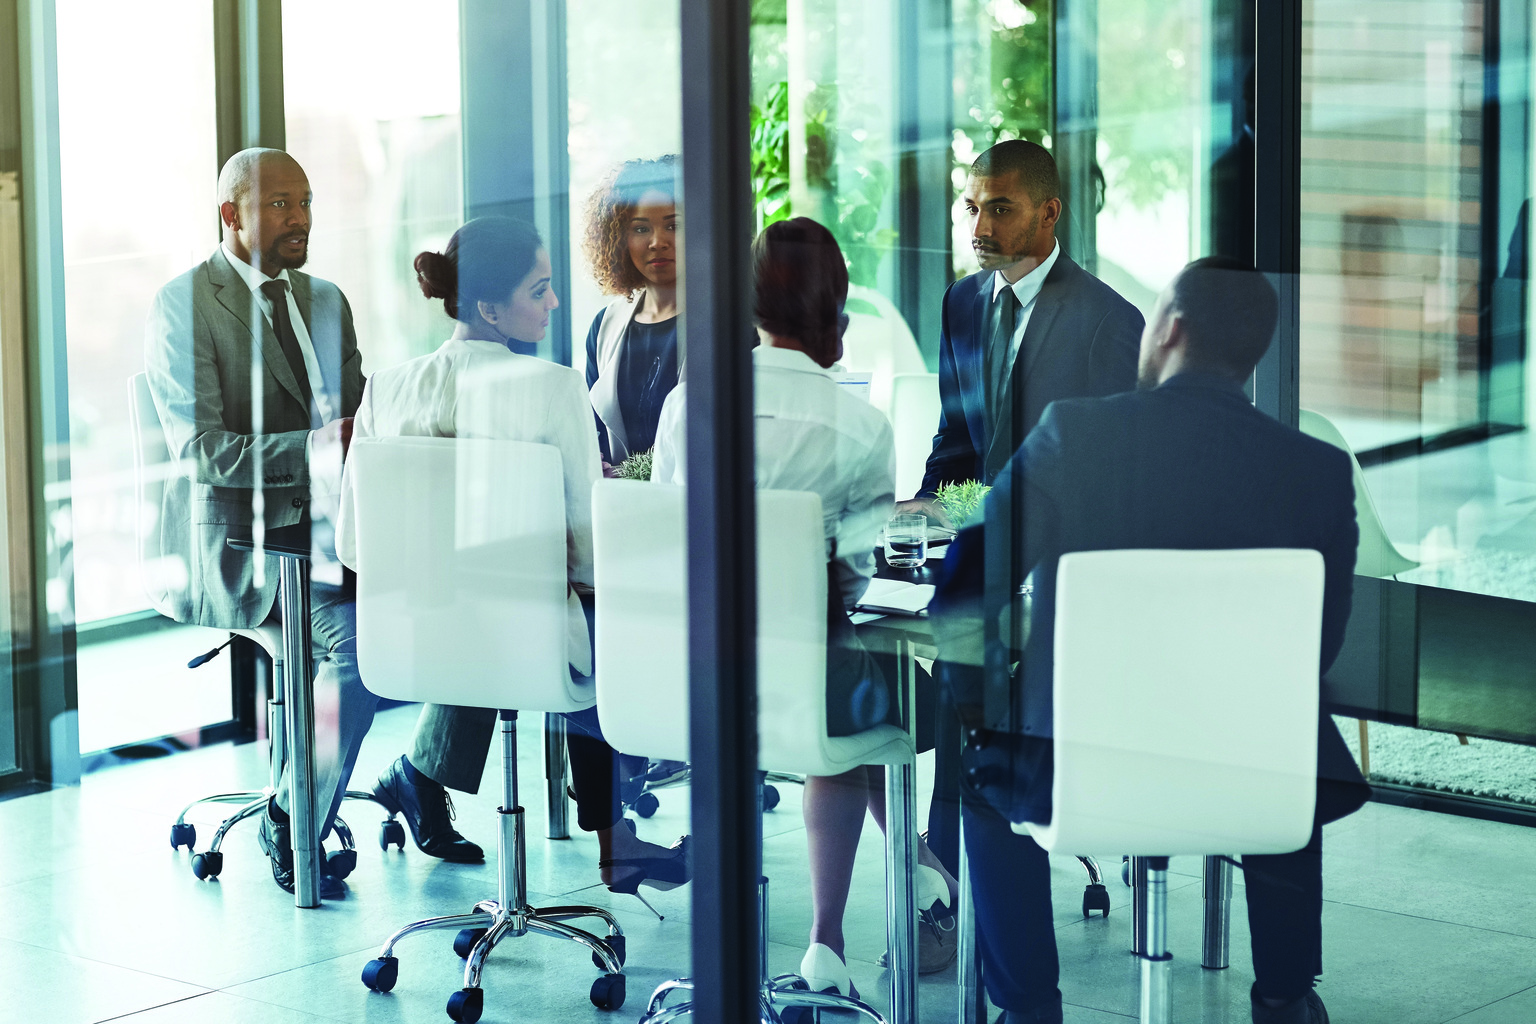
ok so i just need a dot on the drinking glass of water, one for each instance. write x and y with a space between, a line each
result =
906 541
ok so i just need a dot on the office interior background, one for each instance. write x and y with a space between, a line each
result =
1374 156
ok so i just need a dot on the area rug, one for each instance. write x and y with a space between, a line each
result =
1437 760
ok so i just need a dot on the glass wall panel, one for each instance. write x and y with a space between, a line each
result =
379 139
133 220
1415 177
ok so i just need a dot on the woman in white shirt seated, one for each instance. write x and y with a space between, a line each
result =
494 280
813 435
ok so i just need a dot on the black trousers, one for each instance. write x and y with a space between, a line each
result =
1016 937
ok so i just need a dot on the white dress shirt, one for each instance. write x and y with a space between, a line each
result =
254 279
811 434
1026 289
472 388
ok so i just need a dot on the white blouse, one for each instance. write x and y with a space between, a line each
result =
811 435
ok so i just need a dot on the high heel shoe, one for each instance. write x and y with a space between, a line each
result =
825 971
661 873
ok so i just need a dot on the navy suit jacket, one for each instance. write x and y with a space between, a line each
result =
1081 342
1188 465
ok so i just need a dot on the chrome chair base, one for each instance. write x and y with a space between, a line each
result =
785 992
509 915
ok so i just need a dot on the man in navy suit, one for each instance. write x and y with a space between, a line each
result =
1185 461
1029 328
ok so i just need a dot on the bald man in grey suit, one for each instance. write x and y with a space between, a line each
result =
255 375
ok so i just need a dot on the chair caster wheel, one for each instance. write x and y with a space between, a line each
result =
183 834
1095 897
208 864
391 831
615 943
646 804
608 992
379 974
464 943
1125 870
466 1004
340 863
770 797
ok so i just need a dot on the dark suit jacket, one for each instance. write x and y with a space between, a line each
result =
216 370
1081 342
1189 465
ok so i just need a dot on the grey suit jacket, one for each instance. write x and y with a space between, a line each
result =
237 427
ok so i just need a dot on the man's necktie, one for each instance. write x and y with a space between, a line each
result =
282 326
1005 319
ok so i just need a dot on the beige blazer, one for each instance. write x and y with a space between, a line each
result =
238 427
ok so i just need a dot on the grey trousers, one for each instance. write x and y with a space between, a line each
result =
451 744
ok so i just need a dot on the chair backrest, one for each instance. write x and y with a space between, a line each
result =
1185 701
879 340
161 572
640 551
915 411
1377 555
461 572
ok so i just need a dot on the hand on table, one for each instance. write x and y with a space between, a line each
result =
925 507
338 431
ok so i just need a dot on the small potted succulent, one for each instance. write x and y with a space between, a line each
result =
636 467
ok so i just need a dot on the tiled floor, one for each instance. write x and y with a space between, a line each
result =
1430 918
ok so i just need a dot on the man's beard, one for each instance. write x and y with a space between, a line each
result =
272 256
1000 259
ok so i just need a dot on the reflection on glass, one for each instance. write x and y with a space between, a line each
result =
1414 191
133 219
381 145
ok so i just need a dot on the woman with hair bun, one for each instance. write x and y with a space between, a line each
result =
811 434
632 243
494 281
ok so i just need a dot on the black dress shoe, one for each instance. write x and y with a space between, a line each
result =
427 812
276 842
1309 1009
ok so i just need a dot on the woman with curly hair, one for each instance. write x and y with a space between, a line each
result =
632 242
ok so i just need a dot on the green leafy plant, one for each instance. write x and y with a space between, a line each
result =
839 163
961 501
637 466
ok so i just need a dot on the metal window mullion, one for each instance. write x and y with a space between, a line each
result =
1277 198
48 738
722 593
248 75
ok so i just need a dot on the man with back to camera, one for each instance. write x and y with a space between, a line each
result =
1184 462
201 350
1029 328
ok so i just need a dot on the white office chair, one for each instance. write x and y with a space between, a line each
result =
461 599
160 571
643 702
1377 555
1185 702
879 341
915 411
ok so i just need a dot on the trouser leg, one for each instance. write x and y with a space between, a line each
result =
594 772
1285 919
339 694
1015 933
944 807
451 744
